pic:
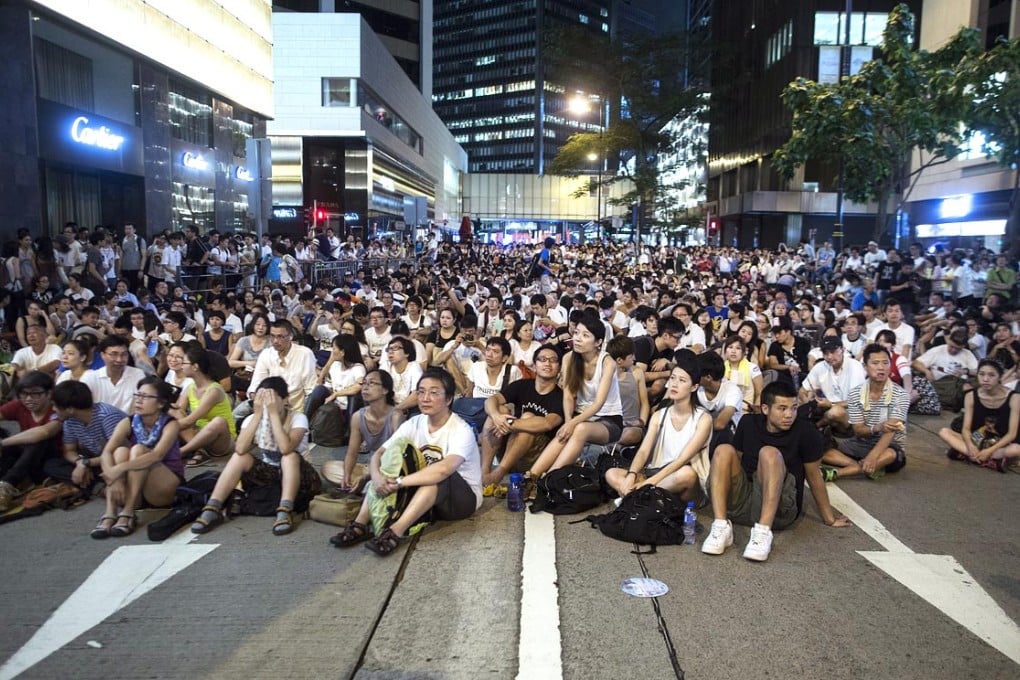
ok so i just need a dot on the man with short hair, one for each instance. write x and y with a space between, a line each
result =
39 355
133 255
878 416
377 335
723 399
951 359
894 322
293 363
853 337
758 480
116 382
654 357
23 455
492 374
522 417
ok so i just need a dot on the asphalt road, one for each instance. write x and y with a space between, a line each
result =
242 603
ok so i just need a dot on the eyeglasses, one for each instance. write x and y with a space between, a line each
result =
431 394
33 394
547 360
139 395
371 383
395 348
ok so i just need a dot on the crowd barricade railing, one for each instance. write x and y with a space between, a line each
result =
335 270
198 279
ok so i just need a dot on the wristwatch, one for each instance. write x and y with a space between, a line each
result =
399 481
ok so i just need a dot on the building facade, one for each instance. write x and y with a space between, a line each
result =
128 112
964 202
352 135
762 45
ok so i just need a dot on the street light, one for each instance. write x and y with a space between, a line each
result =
580 105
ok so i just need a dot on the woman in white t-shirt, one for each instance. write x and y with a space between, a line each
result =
74 360
270 450
674 452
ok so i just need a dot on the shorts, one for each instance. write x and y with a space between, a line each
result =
858 449
531 454
454 499
613 425
743 505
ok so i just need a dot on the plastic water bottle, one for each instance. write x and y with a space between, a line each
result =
690 524
515 494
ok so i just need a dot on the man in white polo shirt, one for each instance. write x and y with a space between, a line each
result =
115 384
830 381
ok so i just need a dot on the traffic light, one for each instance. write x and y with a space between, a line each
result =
320 216
713 226
309 217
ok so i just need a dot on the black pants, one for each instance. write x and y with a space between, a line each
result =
19 463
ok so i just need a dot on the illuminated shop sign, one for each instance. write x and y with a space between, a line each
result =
956 206
352 217
194 161
285 213
100 136
241 173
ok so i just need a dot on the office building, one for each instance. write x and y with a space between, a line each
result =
490 86
131 112
352 135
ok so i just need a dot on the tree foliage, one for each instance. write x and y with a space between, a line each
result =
901 101
647 74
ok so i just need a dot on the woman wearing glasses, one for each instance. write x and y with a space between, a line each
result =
141 461
372 424
203 411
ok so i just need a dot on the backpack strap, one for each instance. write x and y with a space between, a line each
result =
506 377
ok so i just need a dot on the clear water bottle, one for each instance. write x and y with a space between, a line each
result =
515 494
690 524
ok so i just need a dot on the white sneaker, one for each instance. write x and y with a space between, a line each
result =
760 545
720 538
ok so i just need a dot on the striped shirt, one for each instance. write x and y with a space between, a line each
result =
90 439
893 403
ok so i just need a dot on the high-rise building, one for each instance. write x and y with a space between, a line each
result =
490 85
138 113
403 26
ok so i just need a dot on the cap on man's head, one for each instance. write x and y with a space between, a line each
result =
831 343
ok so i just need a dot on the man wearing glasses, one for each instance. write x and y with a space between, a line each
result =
22 455
522 417
294 363
115 383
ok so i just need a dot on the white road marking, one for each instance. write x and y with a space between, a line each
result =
539 654
127 574
938 579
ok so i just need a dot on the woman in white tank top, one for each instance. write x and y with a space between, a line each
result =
591 394
674 452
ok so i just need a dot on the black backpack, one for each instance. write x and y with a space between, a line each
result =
647 515
534 271
568 491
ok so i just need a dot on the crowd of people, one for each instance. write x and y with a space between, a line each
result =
729 377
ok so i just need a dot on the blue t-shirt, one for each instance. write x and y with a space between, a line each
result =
92 438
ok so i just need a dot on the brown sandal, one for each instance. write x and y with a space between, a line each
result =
386 543
284 525
352 534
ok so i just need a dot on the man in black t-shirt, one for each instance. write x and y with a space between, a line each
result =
522 417
654 356
758 481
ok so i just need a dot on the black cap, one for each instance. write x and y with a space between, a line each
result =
830 343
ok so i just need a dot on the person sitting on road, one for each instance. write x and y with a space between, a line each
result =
758 481
674 452
38 354
633 393
788 354
115 382
654 356
283 359
591 392
899 366
269 451
990 435
829 384
740 371
22 455
372 424
877 412
521 418
721 398
203 411
141 462
87 426
450 485
405 371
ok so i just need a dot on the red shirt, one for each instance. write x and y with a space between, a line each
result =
15 410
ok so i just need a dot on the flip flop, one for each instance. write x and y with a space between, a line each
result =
199 459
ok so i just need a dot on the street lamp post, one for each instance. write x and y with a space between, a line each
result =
581 105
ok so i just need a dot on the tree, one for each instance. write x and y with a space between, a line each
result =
993 82
640 78
901 101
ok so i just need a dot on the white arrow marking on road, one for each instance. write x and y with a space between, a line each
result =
539 648
127 574
938 579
